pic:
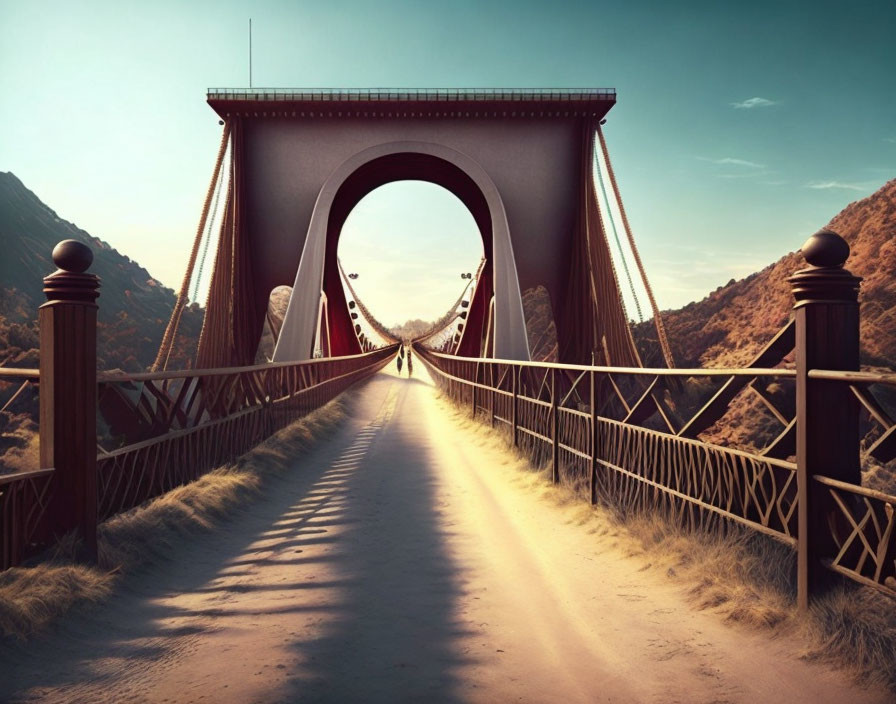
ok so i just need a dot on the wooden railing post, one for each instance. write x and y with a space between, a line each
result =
555 440
826 312
68 392
513 411
592 482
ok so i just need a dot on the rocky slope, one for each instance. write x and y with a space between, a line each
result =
730 325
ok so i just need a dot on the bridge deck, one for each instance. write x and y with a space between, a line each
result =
405 561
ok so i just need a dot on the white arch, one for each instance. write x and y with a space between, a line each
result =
299 324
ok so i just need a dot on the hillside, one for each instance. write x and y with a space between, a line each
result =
730 325
133 307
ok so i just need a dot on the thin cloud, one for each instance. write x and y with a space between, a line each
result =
731 161
891 140
826 185
751 103
745 174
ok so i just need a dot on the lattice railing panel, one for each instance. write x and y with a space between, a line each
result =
876 400
634 468
642 458
170 428
863 527
696 480
875 395
24 505
759 401
128 477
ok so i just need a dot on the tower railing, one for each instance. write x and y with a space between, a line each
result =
411 94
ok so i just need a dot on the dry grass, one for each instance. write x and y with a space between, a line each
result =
856 628
33 596
742 576
30 598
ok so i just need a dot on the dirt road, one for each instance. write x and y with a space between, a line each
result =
402 561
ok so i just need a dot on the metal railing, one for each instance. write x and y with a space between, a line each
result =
599 435
625 437
24 495
24 504
159 430
637 439
24 378
862 523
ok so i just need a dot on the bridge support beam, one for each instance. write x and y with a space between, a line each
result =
827 337
68 393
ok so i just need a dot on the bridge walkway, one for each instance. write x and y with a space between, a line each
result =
406 560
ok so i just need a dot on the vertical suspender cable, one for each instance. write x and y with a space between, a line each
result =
628 275
183 295
619 330
378 327
208 239
657 319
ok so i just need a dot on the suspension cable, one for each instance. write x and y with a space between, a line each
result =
208 239
657 318
378 327
592 189
453 313
628 274
183 294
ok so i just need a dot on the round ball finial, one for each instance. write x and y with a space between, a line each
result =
72 256
825 249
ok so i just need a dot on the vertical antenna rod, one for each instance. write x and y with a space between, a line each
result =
250 52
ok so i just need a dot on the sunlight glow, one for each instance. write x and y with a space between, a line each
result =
409 242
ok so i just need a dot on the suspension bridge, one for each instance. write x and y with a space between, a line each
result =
360 577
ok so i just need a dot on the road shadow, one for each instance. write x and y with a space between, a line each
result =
396 636
389 636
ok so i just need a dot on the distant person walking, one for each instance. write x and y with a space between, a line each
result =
410 365
398 362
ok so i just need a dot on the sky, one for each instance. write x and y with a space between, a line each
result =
740 128
408 241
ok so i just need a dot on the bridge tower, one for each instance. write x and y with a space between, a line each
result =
520 160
